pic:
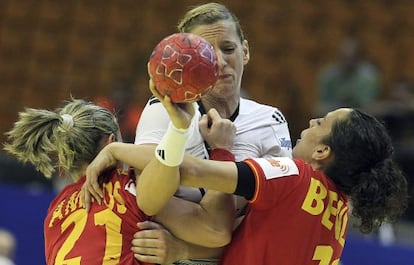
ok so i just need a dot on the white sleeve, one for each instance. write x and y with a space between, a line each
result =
283 147
275 139
152 124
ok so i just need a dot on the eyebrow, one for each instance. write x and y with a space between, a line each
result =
324 118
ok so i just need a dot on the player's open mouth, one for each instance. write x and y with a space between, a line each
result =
223 77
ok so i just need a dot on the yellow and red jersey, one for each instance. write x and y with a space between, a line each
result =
296 216
101 236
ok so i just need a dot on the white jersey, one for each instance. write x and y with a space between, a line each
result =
153 124
261 131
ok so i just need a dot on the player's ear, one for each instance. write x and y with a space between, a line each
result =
321 152
246 52
148 69
111 138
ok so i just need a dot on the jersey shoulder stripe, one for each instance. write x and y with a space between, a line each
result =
279 117
276 167
153 100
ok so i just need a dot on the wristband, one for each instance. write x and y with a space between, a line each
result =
221 154
170 151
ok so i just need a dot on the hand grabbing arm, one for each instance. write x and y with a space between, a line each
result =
133 155
155 244
216 131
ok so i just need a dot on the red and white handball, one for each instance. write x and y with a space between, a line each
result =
184 67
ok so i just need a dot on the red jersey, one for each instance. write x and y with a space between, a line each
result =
297 216
102 236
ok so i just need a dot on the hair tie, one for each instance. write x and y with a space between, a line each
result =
67 121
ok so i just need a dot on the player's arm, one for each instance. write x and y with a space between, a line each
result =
160 179
154 191
229 177
195 172
148 131
107 158
157 182
211 220
155 244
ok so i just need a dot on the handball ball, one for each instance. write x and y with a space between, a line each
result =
184 67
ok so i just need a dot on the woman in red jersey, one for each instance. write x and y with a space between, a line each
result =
298 208
69 138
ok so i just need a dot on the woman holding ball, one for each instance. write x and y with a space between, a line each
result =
261 130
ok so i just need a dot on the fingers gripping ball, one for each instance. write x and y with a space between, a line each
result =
183 66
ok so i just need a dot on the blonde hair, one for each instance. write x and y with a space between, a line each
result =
66 138
207 14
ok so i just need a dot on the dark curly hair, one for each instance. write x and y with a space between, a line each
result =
364 169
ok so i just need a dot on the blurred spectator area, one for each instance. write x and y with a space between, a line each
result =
50 49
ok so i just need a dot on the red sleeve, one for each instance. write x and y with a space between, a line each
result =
220 154
275 178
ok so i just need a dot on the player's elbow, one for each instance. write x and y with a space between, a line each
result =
148 207
152 199
215 235
223 238
218 238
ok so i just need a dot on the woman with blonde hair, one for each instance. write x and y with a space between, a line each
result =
68 139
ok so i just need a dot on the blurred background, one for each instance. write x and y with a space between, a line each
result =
305 58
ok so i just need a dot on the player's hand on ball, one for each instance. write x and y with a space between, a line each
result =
180 114
183 66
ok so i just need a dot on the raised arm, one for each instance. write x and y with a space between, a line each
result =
160 178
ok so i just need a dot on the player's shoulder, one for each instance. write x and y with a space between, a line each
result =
153 105
248 105
252 108
306 171
275 167
153 100
122 178
153 111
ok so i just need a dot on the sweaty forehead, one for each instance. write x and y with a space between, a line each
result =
223 30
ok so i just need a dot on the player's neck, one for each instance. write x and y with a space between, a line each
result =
225 107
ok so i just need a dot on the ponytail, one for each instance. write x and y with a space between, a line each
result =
31 139
379 196
67 138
